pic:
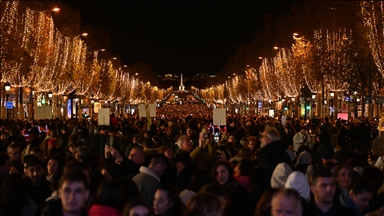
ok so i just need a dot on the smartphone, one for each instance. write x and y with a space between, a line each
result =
216 137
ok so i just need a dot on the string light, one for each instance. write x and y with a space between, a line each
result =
373 12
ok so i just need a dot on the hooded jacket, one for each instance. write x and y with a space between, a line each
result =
298 181
346 201
280 175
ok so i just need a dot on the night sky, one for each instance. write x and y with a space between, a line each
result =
177 37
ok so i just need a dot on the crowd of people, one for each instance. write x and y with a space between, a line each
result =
185 165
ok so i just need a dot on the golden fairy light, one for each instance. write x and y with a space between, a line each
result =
334 53
306 63
289 79
373 18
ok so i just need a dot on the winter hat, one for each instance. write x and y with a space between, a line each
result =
186 195
53 142
304 158
328 154
280 175
298 181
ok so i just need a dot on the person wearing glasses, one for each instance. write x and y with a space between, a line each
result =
273 150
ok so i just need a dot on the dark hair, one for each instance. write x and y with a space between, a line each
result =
110 194
361 186
74 176
36 149
18 165
246 166
173 196
33 161
13 194
182 157
199 179
159 158
129 189
60 161
204 204
216 189
227 165
374 176
325 138
320 173
76 165
264 203
134 203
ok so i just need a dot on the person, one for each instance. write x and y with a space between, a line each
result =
38 186
14 199
358 197
263 206
167 202
273 150
73 193
204 204
323 188
108 199
183 144
300 138
343 177
136 207
280 175
14 152
55 165
5 167
242 173
286 202
223 174
148 180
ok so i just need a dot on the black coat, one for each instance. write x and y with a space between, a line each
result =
273 154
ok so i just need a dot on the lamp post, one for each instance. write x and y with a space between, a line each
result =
76 99
7 88
313 102
332 94
91 109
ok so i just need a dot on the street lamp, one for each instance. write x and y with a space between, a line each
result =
50 98
7 88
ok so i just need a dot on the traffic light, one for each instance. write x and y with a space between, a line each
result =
308 107
285 108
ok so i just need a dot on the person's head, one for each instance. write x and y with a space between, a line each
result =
182 160
13 194
252 142
244 142
158 164
204 204
361 193
167 201
222 154
136 207
184 143
232 139
323 186
77 165
222 172
52 144
137 155
55 164
5 165
34 169
270 134
343 176
109 194
73 191
286 202
37 152
245 153
264 204
167 151
14 152
244 167
302 130
81 151
325 138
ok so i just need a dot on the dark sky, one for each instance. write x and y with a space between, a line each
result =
177 37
